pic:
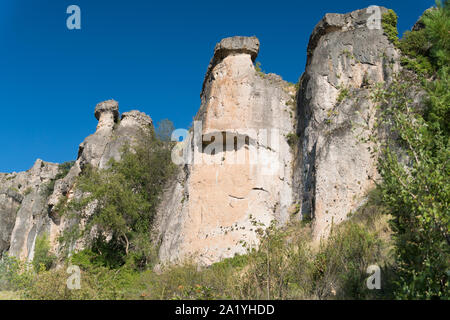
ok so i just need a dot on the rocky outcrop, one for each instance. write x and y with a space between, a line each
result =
259 152
334 167
96 151
210 211
238 177
28 203
23 210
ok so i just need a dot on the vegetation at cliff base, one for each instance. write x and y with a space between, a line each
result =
43 259
125 197
287 265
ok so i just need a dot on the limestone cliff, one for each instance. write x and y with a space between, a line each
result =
334 169
223 197
260 151
211 211
23 213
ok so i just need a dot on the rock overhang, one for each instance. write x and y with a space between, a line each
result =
108 106
236 45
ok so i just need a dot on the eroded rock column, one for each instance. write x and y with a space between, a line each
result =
239 181
335 168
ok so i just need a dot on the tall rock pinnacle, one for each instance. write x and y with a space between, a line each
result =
334 168
213 211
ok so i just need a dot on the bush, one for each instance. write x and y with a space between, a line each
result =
281 267
414 161
126 197
342 261
97 283
343 93
389 24
292 139
15 275
287 265
415 188
43 258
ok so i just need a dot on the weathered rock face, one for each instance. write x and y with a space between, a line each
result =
334 168
26 208
240 176
96 151
23 210
239 173
210 210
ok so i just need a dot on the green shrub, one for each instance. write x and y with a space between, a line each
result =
343 93
97 283
287 265
127 195
416 191
258 69
15 275
437 26
43 258
417 194
280 268
389 24
342 261
292 139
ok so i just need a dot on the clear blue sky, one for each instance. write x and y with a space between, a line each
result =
148 55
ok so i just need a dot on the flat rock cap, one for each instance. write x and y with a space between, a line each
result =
237 44
107 106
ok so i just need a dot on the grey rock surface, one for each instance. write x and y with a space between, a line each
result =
334 168
237 45
210 210
23 207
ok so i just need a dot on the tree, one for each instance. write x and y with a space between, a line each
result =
164 130
414 161
125 198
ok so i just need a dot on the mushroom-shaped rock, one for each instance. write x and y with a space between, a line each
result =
108 106
249 45
107 113
237 45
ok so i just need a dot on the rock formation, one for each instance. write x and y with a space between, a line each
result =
26 208
23 213
260 152
334 168
219 203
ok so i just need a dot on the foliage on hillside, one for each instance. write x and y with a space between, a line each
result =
416 185
120 202
288 265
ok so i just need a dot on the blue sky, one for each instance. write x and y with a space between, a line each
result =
148 55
